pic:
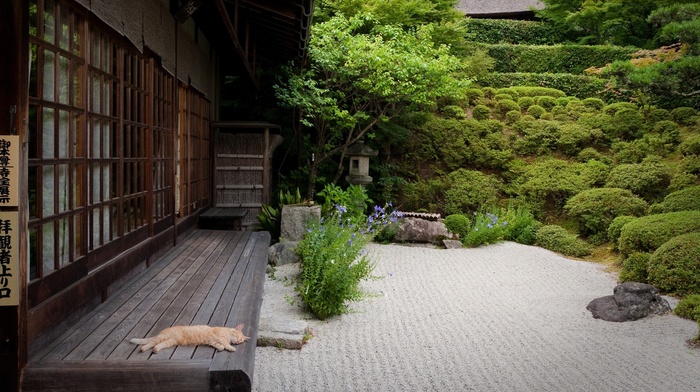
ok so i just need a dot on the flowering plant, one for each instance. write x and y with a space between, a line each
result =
334 260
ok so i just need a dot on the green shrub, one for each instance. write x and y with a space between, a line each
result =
687 199
458 224
691 145
573 138
689 307
525 102
506 106
453 112
507 90
481 112
501 96
655 115
332 267
521 225
473 95
630 152
512 117
615 228
593 103
489 92
648 179
681 181
691 164
565 83
557 239
683 115
488 228
540 137
613 108
423 195
547 116
531 91
563 101
546 102
270 217
497 31
443 139
634 268
590 153
670 132
594 209
467 190
648 233
629 124
536 111
675 267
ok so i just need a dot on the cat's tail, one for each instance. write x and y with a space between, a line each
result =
139 341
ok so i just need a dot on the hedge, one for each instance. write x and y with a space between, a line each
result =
572 59
674 267
648 233
581 86
496 31
686 199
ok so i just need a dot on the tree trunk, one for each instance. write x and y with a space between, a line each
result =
313 172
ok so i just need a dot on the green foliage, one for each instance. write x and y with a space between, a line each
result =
674 266
423 195
634 267
594 209
681 181
354 200
270 218
615 228
501 96
582 86
687 199
648 179
629 124
458 224
499 31
539 137
557 239
487 229
593 103
689 307
453 111
691 145
647 233
521 225
506 90
481 112
683 115
655 115
536 111
512 116
467 190
473 95
630 152
613 108
590 153
506 106
571 59
444 140
525 102
574 137
546 102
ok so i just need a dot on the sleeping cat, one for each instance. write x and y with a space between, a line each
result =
218 337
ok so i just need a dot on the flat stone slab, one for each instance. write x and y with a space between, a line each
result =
282 333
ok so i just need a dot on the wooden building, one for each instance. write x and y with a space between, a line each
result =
499 9
110 106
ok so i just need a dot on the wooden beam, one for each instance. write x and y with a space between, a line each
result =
237 45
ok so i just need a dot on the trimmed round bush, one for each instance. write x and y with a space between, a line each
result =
648 233
675 266
683 115
507 90
458 224
628 123
593 103
648 179
525 102
563 101
489 92
530 91
473 95
547 116
682 181
689 307
573 137
453 112
506 106
557 239
615 227
468 190
691 146
691 164
594 209
546 102
512 117
687 199
590 153
536 111
656 115
669 131
634 268
481 112
617 106
500 97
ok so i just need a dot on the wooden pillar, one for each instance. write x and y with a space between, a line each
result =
14 84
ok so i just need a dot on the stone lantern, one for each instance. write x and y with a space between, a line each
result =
359 155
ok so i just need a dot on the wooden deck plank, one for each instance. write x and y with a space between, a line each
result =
119 336
207 307
125 317
131 293
98 376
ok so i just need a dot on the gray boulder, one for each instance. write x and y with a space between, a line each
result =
630 301
283 253
420 230
295 219
452 244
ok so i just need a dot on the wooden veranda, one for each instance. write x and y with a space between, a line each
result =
211 277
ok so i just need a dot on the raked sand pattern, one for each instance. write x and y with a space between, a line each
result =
505 317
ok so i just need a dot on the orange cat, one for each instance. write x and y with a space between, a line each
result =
218 337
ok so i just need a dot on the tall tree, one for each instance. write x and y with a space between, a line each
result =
360 74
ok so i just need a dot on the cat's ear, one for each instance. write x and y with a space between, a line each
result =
239 327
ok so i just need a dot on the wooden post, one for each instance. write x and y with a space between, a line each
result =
14 84
266 167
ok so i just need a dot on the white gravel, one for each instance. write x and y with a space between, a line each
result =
505 317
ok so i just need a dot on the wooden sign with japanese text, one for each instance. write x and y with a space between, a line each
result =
9 259
9 170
